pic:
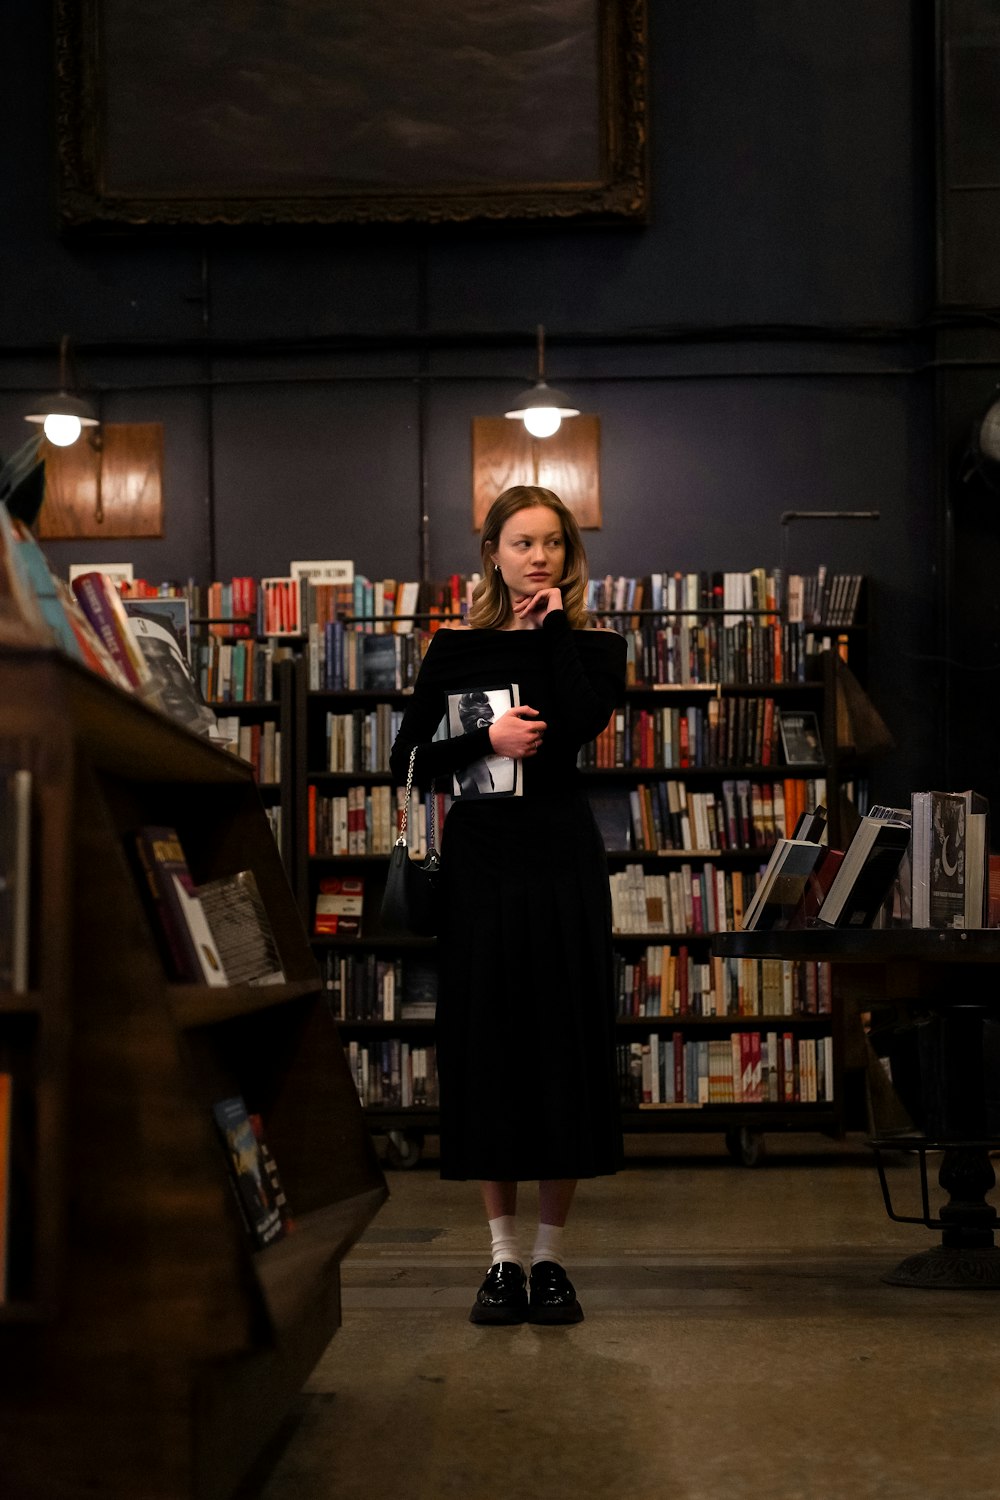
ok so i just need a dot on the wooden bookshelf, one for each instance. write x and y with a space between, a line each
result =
146 1348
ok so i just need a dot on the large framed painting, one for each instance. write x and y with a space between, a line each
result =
260 112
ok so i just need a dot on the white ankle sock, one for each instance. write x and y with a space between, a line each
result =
548 1244
504 1234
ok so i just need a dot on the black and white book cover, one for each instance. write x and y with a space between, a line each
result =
491 775
800 739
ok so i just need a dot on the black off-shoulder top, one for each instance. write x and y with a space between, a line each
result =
574 678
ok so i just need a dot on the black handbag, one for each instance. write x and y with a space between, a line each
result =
411 896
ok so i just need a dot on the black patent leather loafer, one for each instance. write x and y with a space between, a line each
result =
552 1295
503 1296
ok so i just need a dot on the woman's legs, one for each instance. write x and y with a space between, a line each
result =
500 1202
554 1200
499 1198
555 1197
503 1296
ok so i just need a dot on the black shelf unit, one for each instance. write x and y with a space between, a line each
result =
742 1125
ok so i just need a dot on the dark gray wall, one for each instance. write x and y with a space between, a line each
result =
759 346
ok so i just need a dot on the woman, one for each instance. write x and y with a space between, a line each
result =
525 1021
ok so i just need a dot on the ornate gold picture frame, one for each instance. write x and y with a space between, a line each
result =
391 111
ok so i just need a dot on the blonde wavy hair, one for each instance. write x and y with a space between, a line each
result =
491 608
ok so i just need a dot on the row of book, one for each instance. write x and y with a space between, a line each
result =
384 606
665 816
366 820
688 653
821 598
688 899
724 733
319 591
663 981
361 740
339 659
747 1067
393 1073
369 987
925 866
313 592
237 671
258 744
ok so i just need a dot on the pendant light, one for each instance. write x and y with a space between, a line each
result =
542 407
63 416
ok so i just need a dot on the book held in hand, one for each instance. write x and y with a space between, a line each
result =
491 775
250 1178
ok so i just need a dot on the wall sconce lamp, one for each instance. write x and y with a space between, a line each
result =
542 407
63 416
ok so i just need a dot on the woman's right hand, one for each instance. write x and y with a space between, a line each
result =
517 733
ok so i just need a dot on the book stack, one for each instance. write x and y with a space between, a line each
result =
339 908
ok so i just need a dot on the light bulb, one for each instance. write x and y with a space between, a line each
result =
62 430
542 421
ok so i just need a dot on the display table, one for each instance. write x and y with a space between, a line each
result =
949 982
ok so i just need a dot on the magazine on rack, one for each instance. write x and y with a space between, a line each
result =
492 775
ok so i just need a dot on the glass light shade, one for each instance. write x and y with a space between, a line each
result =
61 430
542 421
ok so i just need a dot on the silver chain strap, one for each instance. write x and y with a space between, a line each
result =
406 808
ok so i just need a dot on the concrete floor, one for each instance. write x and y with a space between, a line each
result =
738 1343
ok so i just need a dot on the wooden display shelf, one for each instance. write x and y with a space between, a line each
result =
204 1005
147 1349
17 1001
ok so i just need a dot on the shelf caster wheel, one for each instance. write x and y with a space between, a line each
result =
403 1148
745 1146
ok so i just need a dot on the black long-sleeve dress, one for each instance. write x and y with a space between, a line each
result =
525 1022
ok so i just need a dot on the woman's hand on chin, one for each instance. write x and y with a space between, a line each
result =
531 609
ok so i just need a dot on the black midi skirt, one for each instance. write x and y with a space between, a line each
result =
525 1022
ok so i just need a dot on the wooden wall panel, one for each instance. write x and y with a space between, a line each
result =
110 485
569 462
